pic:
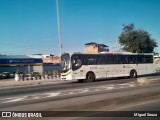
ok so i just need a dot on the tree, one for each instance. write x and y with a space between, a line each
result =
136 40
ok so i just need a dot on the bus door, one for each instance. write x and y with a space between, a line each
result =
76 66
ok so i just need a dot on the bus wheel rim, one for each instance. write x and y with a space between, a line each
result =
90 77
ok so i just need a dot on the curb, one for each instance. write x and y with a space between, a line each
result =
9 84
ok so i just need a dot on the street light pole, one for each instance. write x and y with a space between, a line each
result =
59 29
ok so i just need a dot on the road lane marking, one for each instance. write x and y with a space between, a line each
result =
30 97
109 88
132 85
14 100
53 94
96 90
70 92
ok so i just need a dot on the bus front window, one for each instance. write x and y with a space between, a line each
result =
65 63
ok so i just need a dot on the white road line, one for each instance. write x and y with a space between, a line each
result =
97 90
109 88
10 98
53 94
29 97
132 85
14 100
84 91
124 84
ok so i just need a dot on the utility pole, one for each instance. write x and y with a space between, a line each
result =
29 69
59 28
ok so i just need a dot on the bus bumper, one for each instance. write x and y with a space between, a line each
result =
66 76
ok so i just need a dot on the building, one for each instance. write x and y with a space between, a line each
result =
157 62
93 47
28 64
47 58
51 59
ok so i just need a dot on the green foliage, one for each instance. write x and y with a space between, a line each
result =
136 40
19 72
50 73
36 74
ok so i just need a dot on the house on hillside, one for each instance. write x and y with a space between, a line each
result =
93 47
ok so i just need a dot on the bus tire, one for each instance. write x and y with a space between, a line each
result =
80 81
90 77
133 74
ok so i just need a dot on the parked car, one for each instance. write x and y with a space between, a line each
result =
6 74
12 75
2 76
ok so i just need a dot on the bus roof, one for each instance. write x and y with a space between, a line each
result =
111 53
125 53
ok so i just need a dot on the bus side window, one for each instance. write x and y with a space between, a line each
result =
126 59
132 59
109 59
78 62
92 60
98 61
85 61
120 60
116 59
140 59
123 59
148 59
101 61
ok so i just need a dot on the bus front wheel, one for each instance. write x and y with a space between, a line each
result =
133 74
90 77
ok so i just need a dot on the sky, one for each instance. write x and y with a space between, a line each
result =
30 26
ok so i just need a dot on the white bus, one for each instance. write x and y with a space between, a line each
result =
89 67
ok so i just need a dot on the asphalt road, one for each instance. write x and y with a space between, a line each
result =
110 95
34 89
148 110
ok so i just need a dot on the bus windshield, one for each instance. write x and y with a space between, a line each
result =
65 62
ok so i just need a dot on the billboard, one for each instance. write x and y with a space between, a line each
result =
22 61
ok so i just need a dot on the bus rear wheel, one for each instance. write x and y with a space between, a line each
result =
133 74
90 77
